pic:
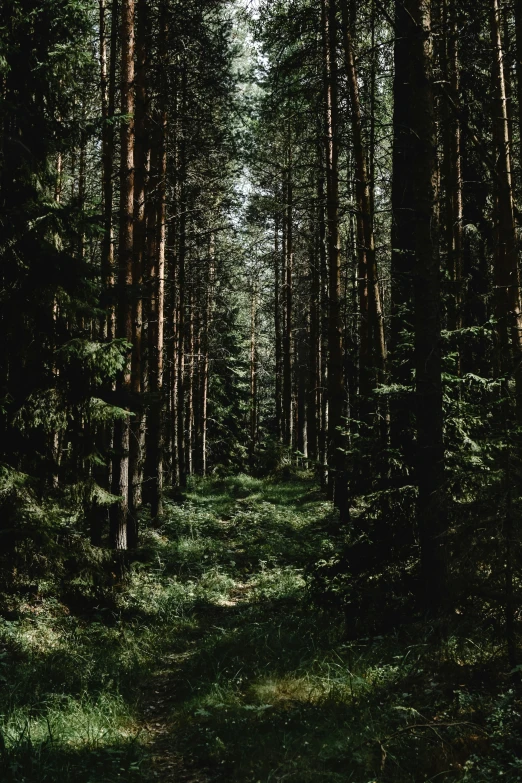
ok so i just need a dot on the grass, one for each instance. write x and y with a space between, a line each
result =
214 664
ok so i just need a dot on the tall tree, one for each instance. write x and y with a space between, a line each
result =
428 371
336 387
120 469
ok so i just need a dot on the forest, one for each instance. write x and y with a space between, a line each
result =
260 391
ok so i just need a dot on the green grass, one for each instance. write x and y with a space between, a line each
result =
214 663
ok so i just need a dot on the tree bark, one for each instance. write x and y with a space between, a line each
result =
337 479
206 357
507 281
119 511
108 90
278 332
453 168
313 407
402 236
288 255
372 321
182 222
518 39
428 378
253 375
137 425
156 260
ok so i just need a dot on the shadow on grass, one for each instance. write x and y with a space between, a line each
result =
270 691
50 761
214 642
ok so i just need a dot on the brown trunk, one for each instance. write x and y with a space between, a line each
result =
108 90
337 479
288 255
313 406
206 358
137 425
253 376
81 183
301 385
104 434
181 300
507 282
428 379
120 477
518 35
372 343
156 229
323 328
190 395
402 236
453 169
278 332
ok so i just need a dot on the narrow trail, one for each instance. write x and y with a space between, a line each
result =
255 683
215 663
224 673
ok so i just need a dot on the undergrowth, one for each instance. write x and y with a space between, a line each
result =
217 650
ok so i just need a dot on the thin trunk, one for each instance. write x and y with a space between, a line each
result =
337 479
371 338
190 395
402 236
82 183
278 332
288 254
453 169
137 425
253 376
108 85
518 38
323 325
181 312
301 394
104 434
206 358
124 316
157 245
314 375
428 378
507 282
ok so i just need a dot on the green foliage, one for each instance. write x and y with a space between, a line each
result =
213 643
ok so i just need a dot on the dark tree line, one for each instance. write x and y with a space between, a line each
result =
119 125
387 154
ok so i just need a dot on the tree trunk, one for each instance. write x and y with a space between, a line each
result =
190 395
137 425
206 358
104 433
518 35
507 282
313 407
372 320
156 259
337 479
182 222
453 169
402 236
428 380
253 375
323 338
278 333
288 255
124 323
108 90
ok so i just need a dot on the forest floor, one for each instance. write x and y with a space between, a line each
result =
212 663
